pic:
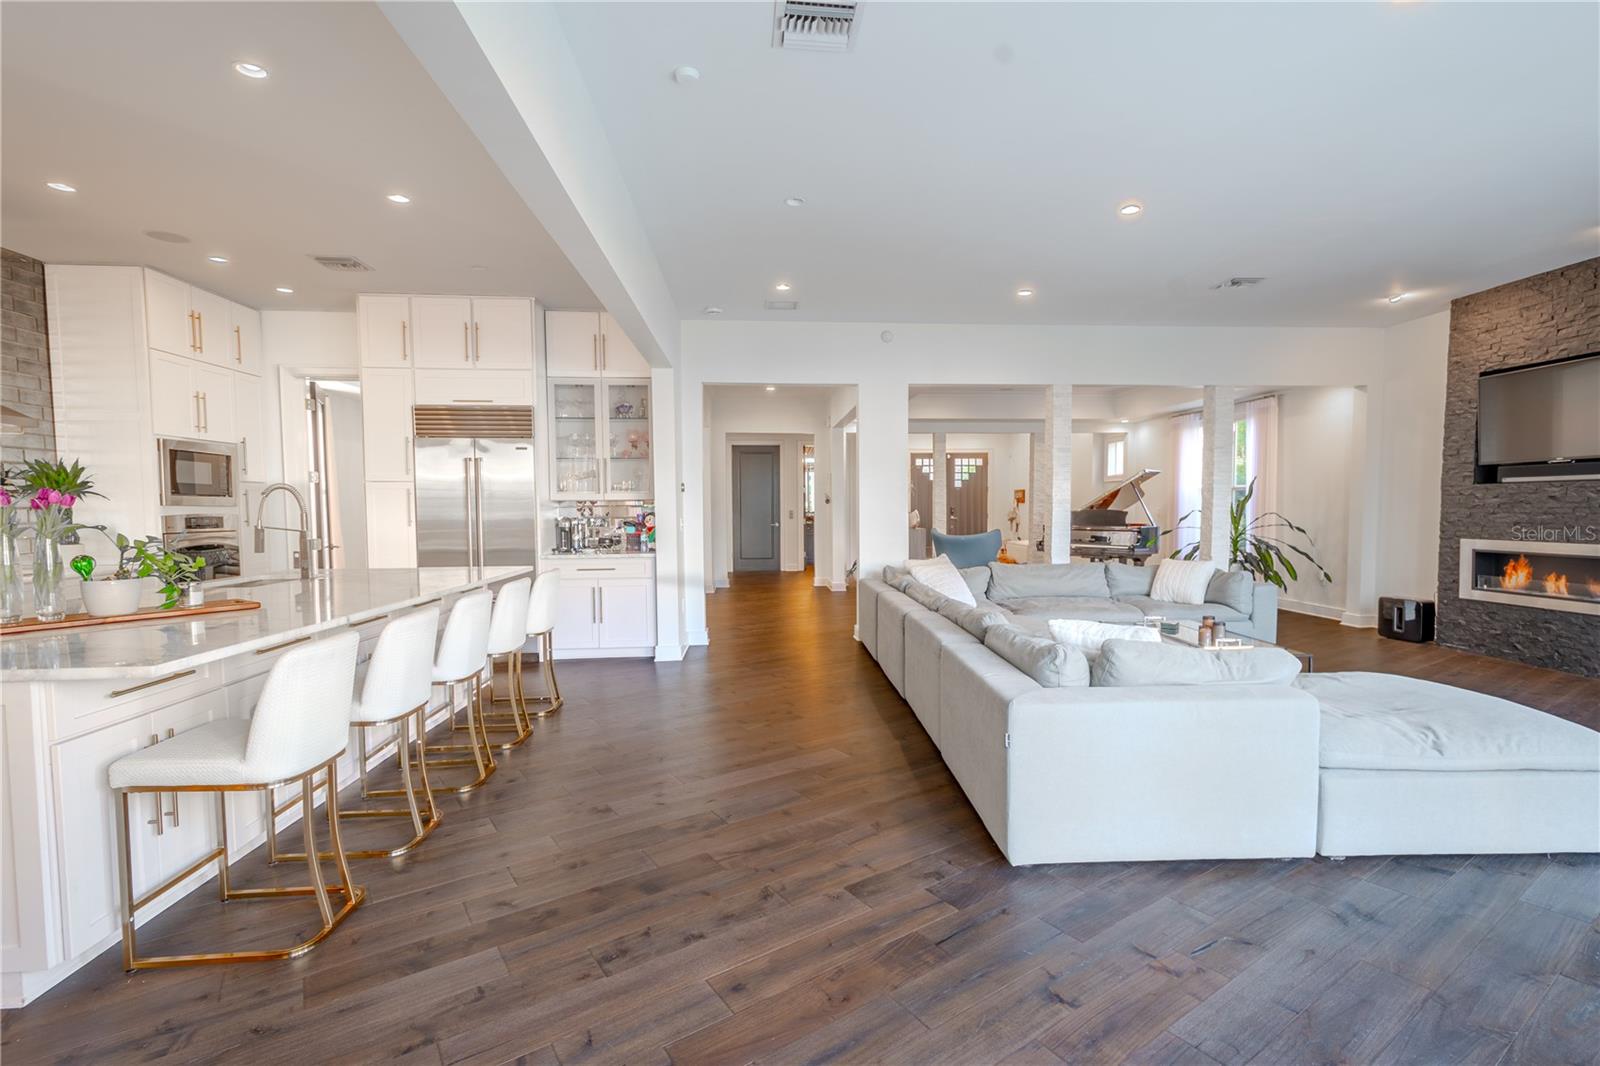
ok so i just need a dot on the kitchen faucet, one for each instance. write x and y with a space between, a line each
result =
304 557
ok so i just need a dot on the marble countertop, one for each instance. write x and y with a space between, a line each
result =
290 609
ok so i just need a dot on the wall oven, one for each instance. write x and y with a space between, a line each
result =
198 473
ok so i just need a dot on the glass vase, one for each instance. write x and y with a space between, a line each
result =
11 595
49 602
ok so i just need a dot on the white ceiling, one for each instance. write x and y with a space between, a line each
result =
138 106
1343 151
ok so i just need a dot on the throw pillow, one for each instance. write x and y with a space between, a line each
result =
975 620
1124 663
893 575
925 596
1047 579
1182 581
940 574
1233 588
1087 637
1051 665
977 579
1125 580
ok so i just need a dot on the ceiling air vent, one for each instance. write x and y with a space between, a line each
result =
783 305
815 27
344 264
1238 283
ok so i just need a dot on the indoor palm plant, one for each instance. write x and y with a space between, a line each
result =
1259 545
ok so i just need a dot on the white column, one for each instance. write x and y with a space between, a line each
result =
884 481
1216 473
1038 495
692 509
664 428
1366 478
940 518
1058 457
838 509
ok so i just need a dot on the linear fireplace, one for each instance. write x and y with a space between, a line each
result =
1552 576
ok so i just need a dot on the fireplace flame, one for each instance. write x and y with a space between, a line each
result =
1518 573
1555 584
1594 587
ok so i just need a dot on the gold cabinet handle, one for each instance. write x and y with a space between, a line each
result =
238 345
194 343
408 455
149 684
205 413
173 814
403 354
602 353
197 412
594 350
477 344
466 342
280 647
200 324
158 821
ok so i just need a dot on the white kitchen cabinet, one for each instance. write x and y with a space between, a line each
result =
627 614
246 340
215 386
577 615
572 343
174 402
443 331
391 525
600 440
475 387
618 356
168 323
213 327
386 430
250 423
385 327
502 333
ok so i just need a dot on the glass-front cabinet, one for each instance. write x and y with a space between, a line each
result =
600 440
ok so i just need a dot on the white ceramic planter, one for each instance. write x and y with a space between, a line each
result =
106 598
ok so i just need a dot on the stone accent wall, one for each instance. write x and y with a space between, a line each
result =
1548 316
30 432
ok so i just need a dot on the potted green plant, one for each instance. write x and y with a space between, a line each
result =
1258 546
118 593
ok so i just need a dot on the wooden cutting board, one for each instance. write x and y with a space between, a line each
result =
154 614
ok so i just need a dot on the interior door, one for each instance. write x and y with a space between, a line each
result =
922 488
755 507
444 501
509 512
968 489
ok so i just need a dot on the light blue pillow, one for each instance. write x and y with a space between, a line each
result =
1049 664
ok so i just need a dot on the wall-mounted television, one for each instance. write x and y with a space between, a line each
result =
1540 421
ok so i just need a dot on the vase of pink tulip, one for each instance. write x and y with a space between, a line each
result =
57 487
11 594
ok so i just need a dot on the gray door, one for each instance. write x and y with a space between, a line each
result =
445 501
506 511
922 488
755 507
968 488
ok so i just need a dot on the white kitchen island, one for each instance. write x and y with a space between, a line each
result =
76 700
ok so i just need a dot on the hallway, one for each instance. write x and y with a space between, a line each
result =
757 854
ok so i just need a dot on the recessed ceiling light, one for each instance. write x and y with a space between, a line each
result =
794 201
1397 297
1123 420
398 198
166 235
711 311
60 186
285 290
686 75
251 70
782 286
1024 292
1131 208
772 388
217 258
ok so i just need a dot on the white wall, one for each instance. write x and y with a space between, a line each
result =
1415 358
1316 443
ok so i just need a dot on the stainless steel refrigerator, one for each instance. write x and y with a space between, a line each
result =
476 504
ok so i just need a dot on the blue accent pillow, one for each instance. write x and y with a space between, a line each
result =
972 549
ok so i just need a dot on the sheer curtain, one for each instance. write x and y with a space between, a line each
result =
1187 448
1260 417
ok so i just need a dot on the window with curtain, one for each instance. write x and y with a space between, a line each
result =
1255 458
1116 460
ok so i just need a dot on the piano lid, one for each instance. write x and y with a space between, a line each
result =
1133 487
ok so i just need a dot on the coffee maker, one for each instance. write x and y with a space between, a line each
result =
566 536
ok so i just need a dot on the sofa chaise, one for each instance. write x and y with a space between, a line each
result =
1336 764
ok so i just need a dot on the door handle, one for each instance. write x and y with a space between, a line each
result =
600 593
403 355
466 472
173 814
158 821
466 342
477 484
408 454
238 357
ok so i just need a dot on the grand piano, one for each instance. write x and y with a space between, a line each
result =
1101 530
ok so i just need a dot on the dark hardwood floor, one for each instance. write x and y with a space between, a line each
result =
757 855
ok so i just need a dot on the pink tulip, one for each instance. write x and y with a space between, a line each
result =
68 499
37 504
5 498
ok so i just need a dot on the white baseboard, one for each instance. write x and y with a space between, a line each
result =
1359 620
670 653
722 581
1320 610
698 638
839 586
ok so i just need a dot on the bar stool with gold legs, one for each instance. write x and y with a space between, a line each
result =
508 631
300 726
542 623
394 692
463 647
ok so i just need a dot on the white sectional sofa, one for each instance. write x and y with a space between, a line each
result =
1337 764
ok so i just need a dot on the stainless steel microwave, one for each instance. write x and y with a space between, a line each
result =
198 473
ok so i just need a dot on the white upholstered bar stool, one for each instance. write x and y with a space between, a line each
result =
394 692
542 605
508 631
300 726
463 647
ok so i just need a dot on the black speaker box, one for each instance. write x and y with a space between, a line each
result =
1400 619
